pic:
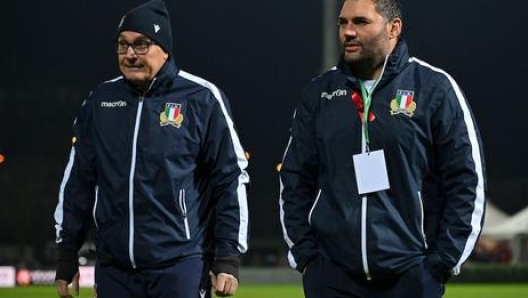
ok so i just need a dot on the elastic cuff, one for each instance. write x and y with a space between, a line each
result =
227 265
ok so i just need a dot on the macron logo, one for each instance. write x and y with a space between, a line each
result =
156 28
113 104
338 92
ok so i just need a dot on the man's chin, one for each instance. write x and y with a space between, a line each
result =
351 58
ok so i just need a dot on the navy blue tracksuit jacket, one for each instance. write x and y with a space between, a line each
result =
435 205
161 174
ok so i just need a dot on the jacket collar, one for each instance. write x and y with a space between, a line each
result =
165 76
167 73
397 60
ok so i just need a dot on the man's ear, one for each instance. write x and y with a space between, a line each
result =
395 28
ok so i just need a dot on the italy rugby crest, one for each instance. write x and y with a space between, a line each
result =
403 103
172 115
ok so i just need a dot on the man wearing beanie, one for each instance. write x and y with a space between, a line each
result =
157 168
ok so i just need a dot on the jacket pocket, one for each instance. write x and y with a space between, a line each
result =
94 210
313 207
183 209
422 220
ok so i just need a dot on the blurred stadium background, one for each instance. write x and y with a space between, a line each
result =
261 54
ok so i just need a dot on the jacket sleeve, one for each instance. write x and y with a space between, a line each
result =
461 171
298 178
77 190
226 163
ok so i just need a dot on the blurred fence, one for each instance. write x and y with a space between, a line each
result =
471 273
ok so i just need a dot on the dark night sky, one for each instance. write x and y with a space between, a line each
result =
261 54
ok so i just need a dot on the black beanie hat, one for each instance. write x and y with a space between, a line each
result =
152 20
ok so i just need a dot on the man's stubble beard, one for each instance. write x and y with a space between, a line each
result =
371 58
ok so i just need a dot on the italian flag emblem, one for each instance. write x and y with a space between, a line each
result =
171 115
403 103
172 111
404 98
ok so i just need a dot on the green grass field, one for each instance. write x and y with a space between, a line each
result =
295 291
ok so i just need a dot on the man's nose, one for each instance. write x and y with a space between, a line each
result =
350 32
130 51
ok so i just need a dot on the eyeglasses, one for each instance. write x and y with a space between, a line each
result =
140 47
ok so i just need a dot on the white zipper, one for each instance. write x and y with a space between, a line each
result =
364 256
183 208
131 186
131 178
364 198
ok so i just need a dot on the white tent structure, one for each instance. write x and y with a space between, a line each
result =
494 216
513 229
507 228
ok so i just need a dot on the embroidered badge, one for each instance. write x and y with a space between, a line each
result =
172 115
403 103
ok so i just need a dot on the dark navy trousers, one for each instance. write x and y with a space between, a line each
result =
187 278
323 279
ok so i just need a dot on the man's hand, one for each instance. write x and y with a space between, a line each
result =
224 284
62 287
